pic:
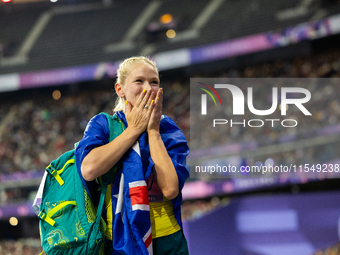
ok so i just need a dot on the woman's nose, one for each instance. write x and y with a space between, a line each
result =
147 86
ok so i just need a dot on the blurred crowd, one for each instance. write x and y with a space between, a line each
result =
20 247
33 132
192 210
36 131
333 250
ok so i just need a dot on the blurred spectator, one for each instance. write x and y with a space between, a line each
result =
196 209
20 247
333 250
32 133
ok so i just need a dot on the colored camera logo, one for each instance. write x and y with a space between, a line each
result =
204 97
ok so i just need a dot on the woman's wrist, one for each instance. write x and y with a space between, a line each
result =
153 133
132 133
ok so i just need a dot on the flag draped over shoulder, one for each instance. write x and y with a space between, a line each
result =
131 226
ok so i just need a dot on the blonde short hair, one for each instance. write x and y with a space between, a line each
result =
123 72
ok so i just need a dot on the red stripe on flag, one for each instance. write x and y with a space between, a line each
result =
139 195
148 241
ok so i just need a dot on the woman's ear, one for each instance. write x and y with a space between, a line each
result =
119 90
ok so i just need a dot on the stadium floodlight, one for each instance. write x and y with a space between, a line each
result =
6 1
170 33
166 18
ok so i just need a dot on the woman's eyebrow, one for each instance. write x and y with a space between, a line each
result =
143 77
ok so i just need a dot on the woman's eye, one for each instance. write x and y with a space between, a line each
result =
139 80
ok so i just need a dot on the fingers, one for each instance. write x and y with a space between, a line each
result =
156 111
151 104
143 98
157 104
146 98
138 116
140 98
128 107
159 98
145 101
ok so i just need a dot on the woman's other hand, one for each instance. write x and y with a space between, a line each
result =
156 114
165 172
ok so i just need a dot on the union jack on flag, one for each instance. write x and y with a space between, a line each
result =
130 203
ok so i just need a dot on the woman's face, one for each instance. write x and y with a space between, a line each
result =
142 76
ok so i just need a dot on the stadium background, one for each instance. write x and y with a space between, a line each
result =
57 70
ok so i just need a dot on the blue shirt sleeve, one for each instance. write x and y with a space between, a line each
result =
96 134
177 147
178 150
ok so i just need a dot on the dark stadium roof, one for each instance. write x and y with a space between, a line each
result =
51 36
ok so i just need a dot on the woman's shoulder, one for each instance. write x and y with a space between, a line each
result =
98 122
167 119
167 122
168 125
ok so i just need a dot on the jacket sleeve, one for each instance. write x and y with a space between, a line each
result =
96 134
177 147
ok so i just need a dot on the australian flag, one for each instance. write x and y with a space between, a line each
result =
131 225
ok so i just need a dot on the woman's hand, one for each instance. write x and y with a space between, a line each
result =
165 172
156 114
138 116
101 159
